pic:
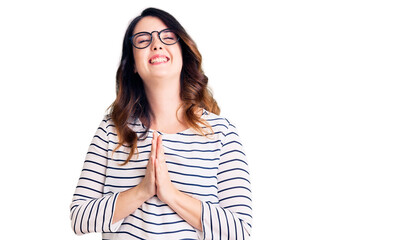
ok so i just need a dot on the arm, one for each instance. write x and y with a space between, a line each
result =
92 209
230 218
131 199
188 208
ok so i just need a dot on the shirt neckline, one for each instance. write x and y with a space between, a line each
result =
204 112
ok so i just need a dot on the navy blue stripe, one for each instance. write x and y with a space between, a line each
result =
111 133
191 166
134 168
239 205
203 223
195 134
191 150
76 217
159 233
220 226
130 123
103 149
219 124
135 161
100 128
168 140
214 119
242 228
235 178
82 218
109 176
184 143
92 180
89 170
235 226
246 214
72 211
227 223
97 136
156 205
211 221
232 142
235 196
157 224
99 155
113 142
191 175
199 194
235 150
122 152
139 146
196 185
233 160
234 188
233 169
165 140
157 214
80 195
72 208
234 133
79 186
89 215
192 158
96 215
96 163
103 216
119 186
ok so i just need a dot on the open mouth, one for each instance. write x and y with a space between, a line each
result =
158 59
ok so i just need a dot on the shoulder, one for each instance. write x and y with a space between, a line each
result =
219 123
107 123
106 120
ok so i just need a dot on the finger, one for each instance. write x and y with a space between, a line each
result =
153 148
157 168
161 150
158 147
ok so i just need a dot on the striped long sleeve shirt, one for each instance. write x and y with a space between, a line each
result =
211 168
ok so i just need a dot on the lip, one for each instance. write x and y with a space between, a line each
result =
158 56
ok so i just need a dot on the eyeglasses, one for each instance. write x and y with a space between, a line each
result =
142 40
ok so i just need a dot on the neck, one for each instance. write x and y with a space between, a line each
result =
164 101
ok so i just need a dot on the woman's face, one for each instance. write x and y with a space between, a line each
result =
158 60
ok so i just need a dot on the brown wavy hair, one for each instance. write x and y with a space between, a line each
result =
131 101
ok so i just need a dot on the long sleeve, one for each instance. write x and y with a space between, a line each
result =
92 209
231 217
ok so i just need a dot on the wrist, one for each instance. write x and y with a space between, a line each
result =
173 198
140 194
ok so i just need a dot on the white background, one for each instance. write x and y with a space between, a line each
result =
317 89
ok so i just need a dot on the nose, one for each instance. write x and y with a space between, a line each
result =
156 42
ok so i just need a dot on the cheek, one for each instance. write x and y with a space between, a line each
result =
139 57
178 57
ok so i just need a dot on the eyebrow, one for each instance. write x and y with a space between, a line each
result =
150 32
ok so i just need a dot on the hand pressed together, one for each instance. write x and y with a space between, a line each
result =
157 180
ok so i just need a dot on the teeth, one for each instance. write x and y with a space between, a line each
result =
159 59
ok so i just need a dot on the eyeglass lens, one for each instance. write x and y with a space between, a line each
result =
143 40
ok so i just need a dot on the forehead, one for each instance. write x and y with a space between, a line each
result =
149 24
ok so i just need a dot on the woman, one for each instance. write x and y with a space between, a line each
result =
163 164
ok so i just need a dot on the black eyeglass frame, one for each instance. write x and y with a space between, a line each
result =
150 33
